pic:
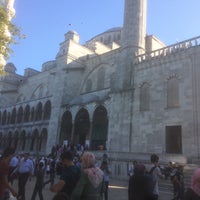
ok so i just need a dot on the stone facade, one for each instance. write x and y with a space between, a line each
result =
124 92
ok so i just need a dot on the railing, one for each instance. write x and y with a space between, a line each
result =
169 49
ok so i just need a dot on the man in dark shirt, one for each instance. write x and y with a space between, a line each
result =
70 175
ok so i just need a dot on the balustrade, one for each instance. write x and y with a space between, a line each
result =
169 49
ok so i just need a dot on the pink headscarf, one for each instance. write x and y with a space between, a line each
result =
95 174
196 181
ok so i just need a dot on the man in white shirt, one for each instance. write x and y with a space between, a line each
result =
25 170
12 167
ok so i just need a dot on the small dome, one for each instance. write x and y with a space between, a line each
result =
10 67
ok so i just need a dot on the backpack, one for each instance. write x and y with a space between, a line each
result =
151 170
151 176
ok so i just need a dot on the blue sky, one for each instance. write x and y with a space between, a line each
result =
44 22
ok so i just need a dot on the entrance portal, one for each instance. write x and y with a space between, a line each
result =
82 126
173 139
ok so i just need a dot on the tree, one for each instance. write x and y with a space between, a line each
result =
8 34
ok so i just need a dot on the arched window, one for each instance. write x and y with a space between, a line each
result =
13 116
100 128
27 113
34 141
173 92
9 139
32 113
66 127
4 117
22 141
16 140
43 140
82 126
144 97
1 139
20 115
8 118
38 112
47 110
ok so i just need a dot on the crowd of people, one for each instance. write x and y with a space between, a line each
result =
79 175
81 178
143 181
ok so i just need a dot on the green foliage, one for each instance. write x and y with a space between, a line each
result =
5 39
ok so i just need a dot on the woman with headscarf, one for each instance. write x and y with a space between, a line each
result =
91 184
193 193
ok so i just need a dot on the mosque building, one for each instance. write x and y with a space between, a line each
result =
123 92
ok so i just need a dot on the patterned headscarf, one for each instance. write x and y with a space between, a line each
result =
196 181
95 174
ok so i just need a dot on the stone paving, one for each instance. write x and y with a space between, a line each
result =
118 190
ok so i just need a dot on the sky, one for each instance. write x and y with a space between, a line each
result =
44 22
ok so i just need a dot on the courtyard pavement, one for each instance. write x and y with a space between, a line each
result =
118 190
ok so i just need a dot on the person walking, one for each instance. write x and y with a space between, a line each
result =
193 193
5 187
25 170
178 183
70 175
107 172
91 184
52 172
140 185
156 174
39 182
12 167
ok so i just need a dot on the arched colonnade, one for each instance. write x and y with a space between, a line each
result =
83 129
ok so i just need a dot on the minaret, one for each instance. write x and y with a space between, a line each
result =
134 27
132 42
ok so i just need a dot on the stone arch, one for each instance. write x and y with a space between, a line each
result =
39 92
38 112
66 127
27 113
20 114
22 141
100 128
34 141
81 127
32 114
47 110
13 116
1 140
106 72
43 140
15 140
4 117
8 117
9 139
